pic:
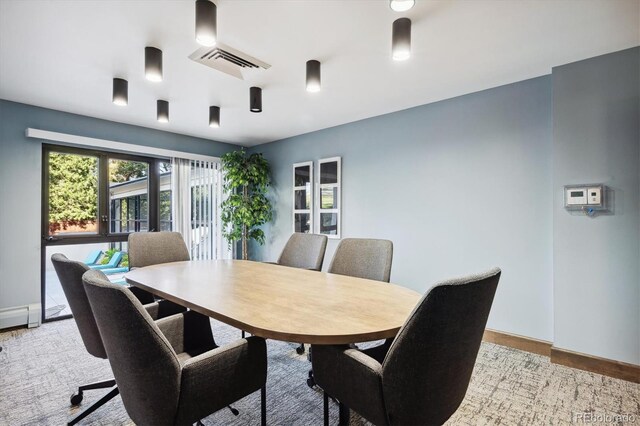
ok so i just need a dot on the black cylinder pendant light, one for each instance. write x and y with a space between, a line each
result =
401 39
214 117
255 99
313 76
206 22
120 92
153 64
163 111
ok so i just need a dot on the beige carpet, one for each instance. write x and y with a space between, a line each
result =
40 368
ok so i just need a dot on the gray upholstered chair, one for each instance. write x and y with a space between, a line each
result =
363 258
305 251
70 276
424 375
161 380
153 248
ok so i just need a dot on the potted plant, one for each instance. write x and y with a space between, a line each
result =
246 179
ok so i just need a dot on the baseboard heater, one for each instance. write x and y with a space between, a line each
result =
29 315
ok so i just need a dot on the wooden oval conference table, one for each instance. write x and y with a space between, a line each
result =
282 303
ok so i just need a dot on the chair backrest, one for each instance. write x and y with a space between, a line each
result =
152 248
363 258
426 372
70 275
144 364
304 251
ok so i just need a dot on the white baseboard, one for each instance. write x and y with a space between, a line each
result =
29 315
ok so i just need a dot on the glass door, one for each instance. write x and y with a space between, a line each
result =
92 200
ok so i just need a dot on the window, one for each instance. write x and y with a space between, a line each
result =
166 218
302 197
128 196
329 202
72 190
92 200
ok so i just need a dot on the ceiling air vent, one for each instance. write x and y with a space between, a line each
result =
228 60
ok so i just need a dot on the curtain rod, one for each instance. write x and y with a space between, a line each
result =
83 141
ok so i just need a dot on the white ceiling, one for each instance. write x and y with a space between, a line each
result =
64 54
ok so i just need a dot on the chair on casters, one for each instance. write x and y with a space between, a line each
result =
70 275
196 377
423 376
362 258
304 251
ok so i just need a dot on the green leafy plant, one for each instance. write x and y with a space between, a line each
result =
73 191
246 179
108 254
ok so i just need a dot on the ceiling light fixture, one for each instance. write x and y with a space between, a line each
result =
313 76
153 64
255 99
120 92
401 39
163 111
206 22
214 116
401 5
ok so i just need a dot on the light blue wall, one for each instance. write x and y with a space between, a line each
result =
20 182
458 186
596 260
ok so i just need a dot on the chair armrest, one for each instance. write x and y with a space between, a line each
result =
173 329
188 332
216 378
351 376
344 357
152 309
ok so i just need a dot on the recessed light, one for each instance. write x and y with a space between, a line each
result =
401 5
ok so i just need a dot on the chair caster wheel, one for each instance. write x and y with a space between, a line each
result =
76 398
300 350
310 382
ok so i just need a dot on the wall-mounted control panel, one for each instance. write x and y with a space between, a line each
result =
590 198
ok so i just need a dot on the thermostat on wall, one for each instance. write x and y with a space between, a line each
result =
589 198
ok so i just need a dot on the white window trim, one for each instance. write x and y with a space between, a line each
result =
310 210
337 185
114 146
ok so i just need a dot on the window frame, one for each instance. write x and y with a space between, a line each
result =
338 186
310 190
103 234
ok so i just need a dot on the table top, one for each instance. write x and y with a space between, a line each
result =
282 303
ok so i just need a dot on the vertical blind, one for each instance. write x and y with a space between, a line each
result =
197 192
